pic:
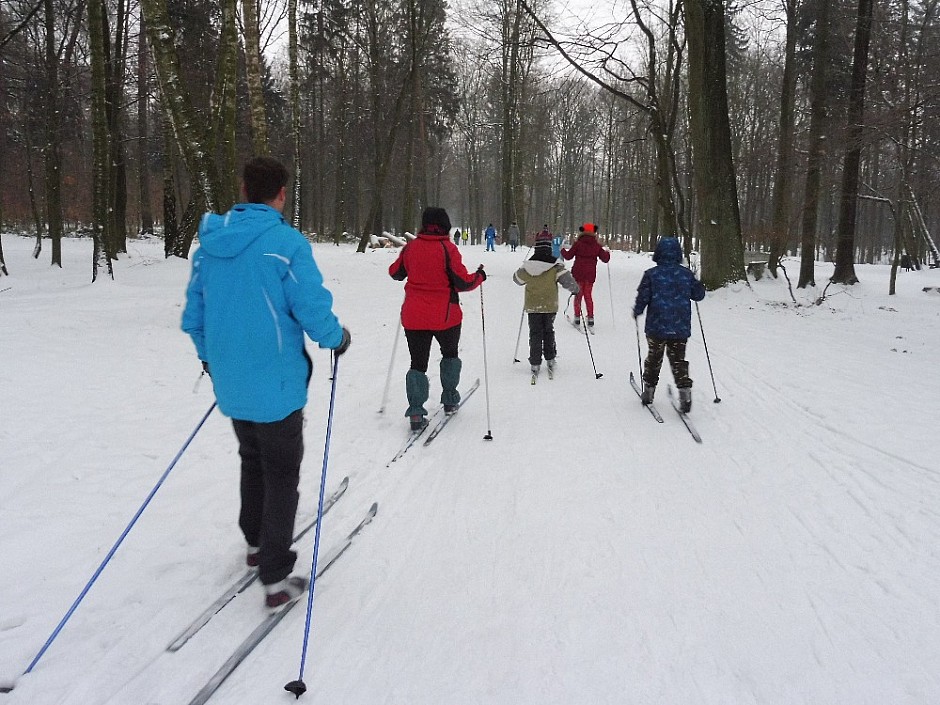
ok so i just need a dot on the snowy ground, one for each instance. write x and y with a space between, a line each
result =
586 555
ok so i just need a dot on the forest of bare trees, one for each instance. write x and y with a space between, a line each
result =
811 136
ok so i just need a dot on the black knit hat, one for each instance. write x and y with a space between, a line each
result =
435 217
542 252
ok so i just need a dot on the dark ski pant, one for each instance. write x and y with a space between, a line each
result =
271 454
541 337
675 351
416 380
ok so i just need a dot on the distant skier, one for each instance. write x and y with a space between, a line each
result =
490 238
664 293
585 252
541 274
513 236
557 241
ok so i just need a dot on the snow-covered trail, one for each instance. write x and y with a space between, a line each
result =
585 555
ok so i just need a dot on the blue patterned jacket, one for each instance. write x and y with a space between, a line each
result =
665 292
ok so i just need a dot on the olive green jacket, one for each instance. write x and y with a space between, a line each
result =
541 280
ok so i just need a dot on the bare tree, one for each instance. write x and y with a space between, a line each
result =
845 254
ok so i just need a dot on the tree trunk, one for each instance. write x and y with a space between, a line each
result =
101 159
819 100
296 122
713 170
845 254
259 118
52 149
178 105
780 225
223 137
143 133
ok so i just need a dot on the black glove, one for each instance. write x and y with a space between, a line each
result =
481 272
205 367
344 343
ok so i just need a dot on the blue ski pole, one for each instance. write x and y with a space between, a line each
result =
298 687
114 548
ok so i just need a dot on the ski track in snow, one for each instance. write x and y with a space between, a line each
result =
585 555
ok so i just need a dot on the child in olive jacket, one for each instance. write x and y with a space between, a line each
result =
541 275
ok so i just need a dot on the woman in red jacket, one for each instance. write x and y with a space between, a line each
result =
585 252
436 274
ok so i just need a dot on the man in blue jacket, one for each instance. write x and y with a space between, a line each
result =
255 290
665 292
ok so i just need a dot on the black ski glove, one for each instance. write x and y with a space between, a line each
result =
344 343
481 272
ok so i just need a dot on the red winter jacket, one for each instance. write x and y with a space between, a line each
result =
585 252
435 272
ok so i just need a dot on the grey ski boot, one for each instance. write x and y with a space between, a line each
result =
685 399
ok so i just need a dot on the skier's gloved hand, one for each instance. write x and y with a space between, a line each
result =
344 343
205 367
481 272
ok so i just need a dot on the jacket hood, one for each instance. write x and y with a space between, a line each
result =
668 251
536 267
228 235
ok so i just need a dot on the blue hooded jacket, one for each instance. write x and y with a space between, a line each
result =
666 290
255 289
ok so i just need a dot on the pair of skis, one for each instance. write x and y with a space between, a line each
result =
583 326
675 405
535 375
271 620
435 425
249 577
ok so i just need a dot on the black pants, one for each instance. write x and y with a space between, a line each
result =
541 337
419 345
271 455
675 351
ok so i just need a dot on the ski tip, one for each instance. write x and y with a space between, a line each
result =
373 509
344 484
7 685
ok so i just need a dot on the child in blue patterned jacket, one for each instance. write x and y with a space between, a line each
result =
665 293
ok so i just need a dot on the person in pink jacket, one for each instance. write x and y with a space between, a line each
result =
585 252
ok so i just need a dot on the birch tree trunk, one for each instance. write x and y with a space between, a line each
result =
296 122
178 105
52 148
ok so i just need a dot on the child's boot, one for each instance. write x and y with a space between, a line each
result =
649 390
685 399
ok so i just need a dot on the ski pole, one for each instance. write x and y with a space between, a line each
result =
639 356
610 290
515 355
298 687
597 375
717 399
391 364
117 544
486 376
